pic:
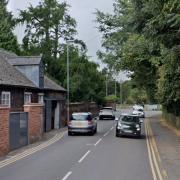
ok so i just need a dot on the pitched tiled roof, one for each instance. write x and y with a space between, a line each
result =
11 76
7 54
51 85
25 60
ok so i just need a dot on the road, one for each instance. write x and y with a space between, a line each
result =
98 157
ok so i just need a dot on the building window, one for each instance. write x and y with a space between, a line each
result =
6 98
27 98
41 98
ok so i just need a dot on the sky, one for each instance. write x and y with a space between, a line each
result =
83 12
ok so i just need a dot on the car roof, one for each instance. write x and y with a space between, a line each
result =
107 108
82 113
127 114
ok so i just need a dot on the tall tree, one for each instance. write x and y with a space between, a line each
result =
47 25
8 40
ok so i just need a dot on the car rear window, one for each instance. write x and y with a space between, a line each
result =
129 119
107 110
81 117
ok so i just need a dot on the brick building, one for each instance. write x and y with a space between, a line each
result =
25 88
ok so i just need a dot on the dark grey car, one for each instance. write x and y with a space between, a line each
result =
129 125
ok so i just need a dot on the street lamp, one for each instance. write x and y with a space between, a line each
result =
67 45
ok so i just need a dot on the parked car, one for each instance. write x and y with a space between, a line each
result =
82 122
139 112
106 113
128 125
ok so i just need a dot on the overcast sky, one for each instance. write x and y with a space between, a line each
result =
83 12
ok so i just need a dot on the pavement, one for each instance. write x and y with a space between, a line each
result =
47 137
168 143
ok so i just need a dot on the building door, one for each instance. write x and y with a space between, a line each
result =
18 123
48 115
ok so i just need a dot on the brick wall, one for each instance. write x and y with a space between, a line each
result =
84 107
35 115
4 130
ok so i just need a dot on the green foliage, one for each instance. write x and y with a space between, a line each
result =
86 82
47 25
111 98
143 37
8 40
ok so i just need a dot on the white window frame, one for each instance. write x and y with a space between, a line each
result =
7 99
27 97
41 98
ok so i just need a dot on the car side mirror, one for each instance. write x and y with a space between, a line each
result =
141 121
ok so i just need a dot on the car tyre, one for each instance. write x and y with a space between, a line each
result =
95 131
69 133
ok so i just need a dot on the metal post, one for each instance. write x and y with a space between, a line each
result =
106 86
115 88
67 81
121 92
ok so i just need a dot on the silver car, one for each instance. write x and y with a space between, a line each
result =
82 122
106 113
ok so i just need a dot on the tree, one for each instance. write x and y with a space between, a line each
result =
47 26
8 40
143 37
126 48
86 82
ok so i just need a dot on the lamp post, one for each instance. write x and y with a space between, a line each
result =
67 46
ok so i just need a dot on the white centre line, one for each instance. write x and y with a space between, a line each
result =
112 128
98 142
84 156
106 134
67 175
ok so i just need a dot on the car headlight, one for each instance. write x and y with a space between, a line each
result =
137 126
119 126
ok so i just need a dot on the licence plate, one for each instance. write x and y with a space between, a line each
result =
128 131
79 124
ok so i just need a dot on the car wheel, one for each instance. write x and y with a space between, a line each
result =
69 133
95 131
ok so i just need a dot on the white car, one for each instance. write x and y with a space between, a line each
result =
106 113
139 112
137 107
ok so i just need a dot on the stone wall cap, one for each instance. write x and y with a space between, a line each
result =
33 104
4 107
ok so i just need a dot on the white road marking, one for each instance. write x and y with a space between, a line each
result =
98 142
106 134
112 128
84 156
67 175
89 144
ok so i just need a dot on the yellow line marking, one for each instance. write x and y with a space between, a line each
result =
149 154
154 142
154 155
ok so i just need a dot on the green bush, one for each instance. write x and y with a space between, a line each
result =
112 98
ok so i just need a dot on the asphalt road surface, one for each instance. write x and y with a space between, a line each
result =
99 157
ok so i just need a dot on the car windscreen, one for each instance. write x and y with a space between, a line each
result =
141 110
81 117
130 119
